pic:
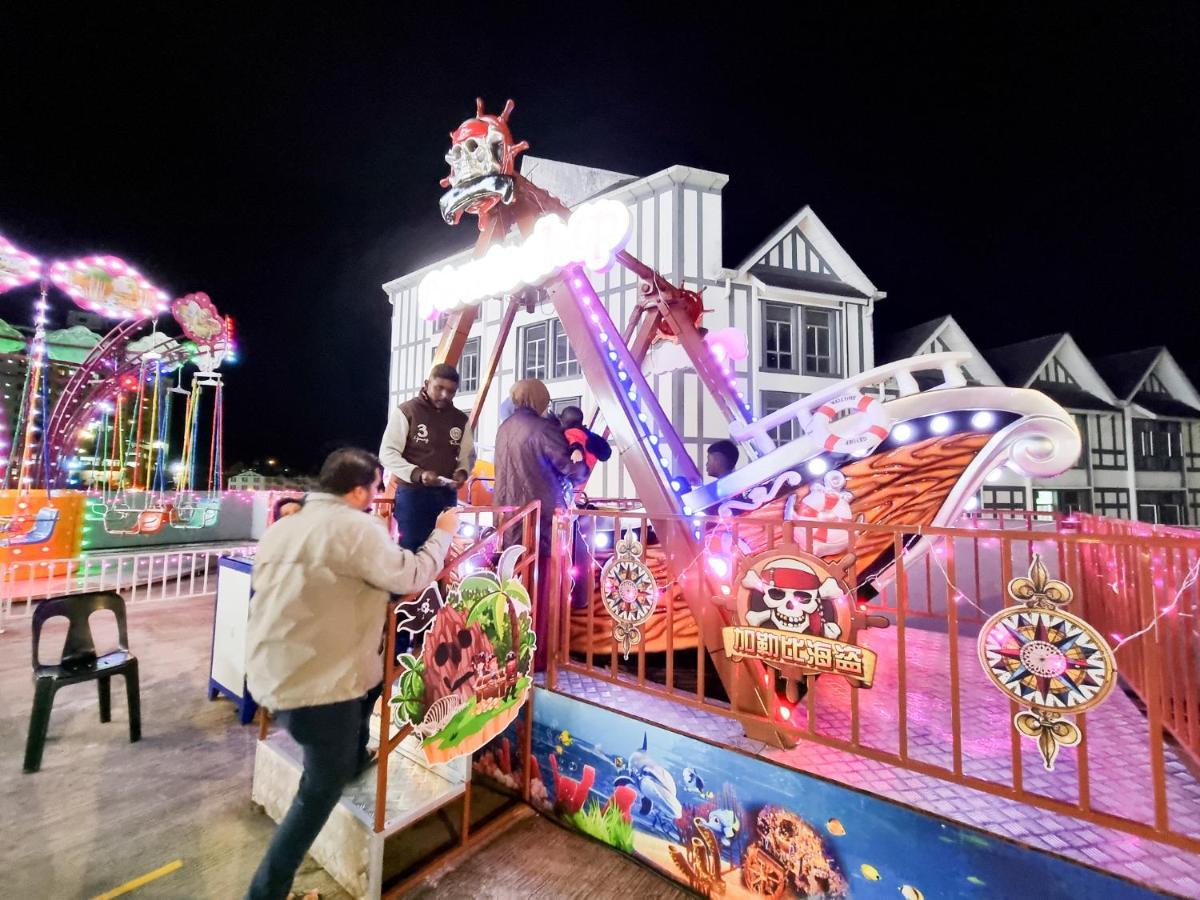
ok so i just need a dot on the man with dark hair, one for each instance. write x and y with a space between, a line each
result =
722 459
429 451
286 506
595 448
321 583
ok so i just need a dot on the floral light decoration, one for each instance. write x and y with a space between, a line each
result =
110 286
198 317
629 592
16 266
1046 659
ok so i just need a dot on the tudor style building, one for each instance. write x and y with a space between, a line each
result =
807 311
1137 412
803 303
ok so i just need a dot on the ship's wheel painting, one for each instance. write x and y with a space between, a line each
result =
1046 659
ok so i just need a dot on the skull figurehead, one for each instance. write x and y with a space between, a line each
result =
482 160
790 595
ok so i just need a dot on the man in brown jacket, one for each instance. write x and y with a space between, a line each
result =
321 584
428 448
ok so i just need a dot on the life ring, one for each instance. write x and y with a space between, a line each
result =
827 502
858 433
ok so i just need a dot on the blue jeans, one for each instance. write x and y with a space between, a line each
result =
417 508
333 737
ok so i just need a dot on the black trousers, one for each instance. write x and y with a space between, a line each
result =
334 739
416 511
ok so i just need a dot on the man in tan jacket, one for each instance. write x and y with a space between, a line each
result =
321 584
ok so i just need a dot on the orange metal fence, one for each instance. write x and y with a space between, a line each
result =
481 533
1130 582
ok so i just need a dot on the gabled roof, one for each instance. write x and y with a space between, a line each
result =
1125 372
793 280
1072 396
906 343
1129 372
1162 405
935 336
1018 363
837 260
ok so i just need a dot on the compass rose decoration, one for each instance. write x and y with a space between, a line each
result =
1046 659
629 592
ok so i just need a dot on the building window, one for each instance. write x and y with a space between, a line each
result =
1193 453
1003 498
535 350
559 405
1062 501
779 337
468 367
1081 423
1154 385
566 364
1157 445
1112 502
1161 507
819 341
784 324
1107 442
773 401
546 353
1194 503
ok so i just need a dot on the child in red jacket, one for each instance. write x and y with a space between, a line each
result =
595 448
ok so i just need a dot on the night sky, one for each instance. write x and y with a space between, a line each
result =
1029 173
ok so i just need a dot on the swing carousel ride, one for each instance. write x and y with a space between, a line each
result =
905 444
127 435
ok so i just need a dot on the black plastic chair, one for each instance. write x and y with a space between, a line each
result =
80 663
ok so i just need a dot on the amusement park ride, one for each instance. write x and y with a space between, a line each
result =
122 399
908 443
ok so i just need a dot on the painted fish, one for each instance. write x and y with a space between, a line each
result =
835 827
619 762
558 749
565 739
660 801
908 892
870 872
724 824
693 782
977 881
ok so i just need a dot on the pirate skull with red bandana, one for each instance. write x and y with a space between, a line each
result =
789 595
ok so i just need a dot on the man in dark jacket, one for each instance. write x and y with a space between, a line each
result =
428 448
534 462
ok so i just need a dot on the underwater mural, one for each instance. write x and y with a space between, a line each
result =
727 824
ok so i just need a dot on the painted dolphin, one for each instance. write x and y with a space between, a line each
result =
660 802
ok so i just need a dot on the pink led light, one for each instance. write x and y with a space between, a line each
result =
16 266
109 285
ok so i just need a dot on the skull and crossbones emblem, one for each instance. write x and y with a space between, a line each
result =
789 596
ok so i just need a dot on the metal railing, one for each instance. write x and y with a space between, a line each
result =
482 531
931 681
138 575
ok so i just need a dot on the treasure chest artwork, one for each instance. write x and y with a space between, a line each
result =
790 853
797 614
1047 659
473 671
629 592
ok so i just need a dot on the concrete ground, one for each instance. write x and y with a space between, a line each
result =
103 812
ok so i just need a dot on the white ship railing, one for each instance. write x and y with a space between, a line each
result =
902 373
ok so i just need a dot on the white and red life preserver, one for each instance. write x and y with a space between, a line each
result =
858 432
825 501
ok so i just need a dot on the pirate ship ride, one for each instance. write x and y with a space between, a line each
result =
907 444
